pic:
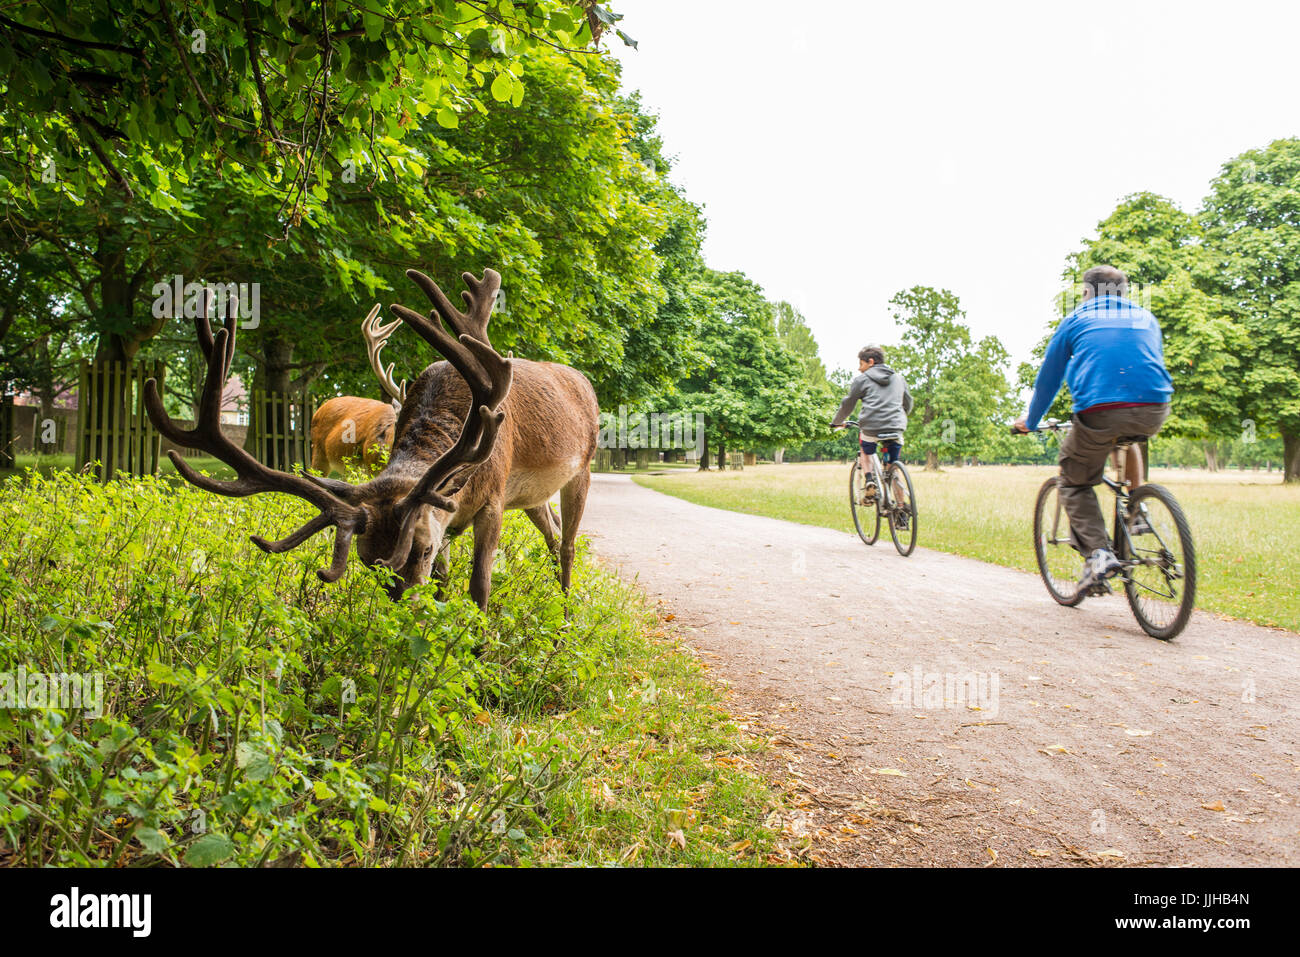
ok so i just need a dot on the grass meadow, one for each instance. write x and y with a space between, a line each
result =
1246 525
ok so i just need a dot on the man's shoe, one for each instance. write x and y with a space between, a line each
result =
900 519
1101 565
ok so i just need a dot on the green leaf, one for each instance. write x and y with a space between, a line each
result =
447 118
502 88
208 850
154 841
322 791
256 764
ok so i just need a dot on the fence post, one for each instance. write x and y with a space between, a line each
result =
8 432
280 428
113 426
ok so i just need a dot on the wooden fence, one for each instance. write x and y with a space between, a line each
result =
113 428
280 426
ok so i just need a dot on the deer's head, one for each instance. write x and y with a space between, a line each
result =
398 519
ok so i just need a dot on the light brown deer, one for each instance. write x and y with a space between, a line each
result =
478 434
351 428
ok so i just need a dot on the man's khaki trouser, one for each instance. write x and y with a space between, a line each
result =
1084 451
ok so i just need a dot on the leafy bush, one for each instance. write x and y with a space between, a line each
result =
253 716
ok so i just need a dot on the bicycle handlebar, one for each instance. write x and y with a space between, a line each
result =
1049 426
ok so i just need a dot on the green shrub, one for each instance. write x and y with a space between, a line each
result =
252 715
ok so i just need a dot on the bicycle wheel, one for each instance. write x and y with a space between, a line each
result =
1161 587
906 541
866 517
1058 561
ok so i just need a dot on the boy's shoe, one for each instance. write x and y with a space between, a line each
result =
869 494
1101 565
900 519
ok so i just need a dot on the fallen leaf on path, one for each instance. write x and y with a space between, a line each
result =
1039 852
894 771
1054 749
1215 806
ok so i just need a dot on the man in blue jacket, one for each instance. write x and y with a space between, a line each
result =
1109 351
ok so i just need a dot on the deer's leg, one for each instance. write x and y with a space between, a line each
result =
487 534
544 519
573 499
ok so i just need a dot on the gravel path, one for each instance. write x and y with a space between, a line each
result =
1066 736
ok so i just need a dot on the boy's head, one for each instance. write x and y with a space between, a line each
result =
870 356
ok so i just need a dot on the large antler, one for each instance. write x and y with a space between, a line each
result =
486 373
376 335
254 477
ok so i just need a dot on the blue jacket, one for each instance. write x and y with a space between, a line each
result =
1108 350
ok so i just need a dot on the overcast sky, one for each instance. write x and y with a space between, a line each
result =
844 151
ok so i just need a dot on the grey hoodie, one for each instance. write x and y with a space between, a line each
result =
885 402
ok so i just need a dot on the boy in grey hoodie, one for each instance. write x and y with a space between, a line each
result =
885 405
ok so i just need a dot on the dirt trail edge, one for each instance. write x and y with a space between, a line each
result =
1098 745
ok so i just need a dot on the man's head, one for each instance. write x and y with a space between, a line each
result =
1104 281
870 356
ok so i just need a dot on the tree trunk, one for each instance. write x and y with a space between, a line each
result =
119 341
1211 456
1290 456
39 445
274 380
704 453
722 454
932 461
779 456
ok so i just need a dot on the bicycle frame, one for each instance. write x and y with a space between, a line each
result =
878 473
1120 486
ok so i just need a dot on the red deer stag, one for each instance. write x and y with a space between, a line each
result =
350 427
478 434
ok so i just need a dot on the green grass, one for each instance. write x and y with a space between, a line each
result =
1246 525
49 464
545 732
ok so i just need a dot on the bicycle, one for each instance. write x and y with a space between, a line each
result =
871 494
1152 541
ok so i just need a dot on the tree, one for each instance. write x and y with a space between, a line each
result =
256 142
1252 224
751 389
793 331
1162 250
957 384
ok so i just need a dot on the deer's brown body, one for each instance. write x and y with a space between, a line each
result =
544 445
477 434
350 429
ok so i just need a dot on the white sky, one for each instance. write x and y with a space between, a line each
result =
845 151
